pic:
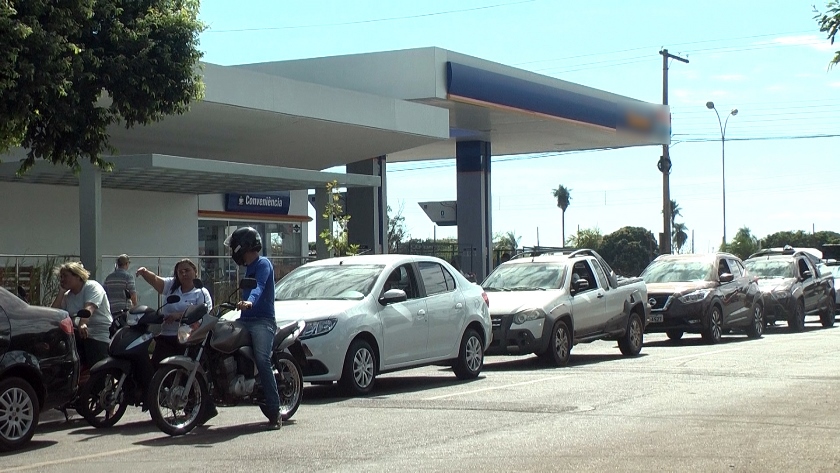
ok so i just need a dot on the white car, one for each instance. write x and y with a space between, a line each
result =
370 314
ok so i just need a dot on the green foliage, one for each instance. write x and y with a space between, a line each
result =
829 23
589 238
70 69
564 198
336 237
743 244
679 236
629 250
396 229
506 242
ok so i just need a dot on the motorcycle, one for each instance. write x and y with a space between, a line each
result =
222 368
120 380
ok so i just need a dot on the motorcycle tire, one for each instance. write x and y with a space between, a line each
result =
289 377
173 414
99 402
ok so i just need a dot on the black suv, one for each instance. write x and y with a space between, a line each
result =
39 366
705 293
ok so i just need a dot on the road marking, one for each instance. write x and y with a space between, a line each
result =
702 354
32 466
435 398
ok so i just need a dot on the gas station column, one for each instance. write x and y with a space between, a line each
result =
472 161
367 208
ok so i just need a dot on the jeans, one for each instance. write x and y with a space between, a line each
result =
262 332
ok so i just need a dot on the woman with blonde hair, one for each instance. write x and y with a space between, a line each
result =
79 292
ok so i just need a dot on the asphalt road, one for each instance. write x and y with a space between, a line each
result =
743 405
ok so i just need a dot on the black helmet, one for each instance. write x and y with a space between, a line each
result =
241 241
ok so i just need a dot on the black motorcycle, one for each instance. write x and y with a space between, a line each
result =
222 368
120 380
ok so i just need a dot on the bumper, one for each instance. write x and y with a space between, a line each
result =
777 307
678 316
324 357
510 339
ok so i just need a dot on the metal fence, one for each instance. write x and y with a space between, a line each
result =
35 275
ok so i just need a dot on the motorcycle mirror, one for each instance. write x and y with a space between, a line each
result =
247 283
83 313
198 283
173 298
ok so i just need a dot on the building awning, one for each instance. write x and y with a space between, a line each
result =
161 173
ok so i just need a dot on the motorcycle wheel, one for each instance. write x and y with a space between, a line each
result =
289 378
100 402
174 410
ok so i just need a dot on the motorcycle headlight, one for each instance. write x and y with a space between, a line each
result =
318 327
695 296
528 315
184 332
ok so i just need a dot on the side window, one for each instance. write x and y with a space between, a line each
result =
435 278
735 268
581 270
602 276
403 278
803 266
723 267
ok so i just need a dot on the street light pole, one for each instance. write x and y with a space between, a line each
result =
722 125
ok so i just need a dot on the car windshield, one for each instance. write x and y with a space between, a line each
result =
351 281
678 271
525 277
768 268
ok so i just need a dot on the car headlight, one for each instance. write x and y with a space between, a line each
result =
318 327
695 296
527 315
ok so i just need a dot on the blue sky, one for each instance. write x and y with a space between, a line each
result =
765 58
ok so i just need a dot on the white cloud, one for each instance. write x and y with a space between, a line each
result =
834 84
775 88
813 41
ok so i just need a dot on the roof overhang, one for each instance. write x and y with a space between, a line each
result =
160 173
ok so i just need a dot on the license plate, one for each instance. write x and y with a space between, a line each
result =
656 318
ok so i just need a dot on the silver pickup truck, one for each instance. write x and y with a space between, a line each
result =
546 304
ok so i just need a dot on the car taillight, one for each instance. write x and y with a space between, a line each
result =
486 299
66 325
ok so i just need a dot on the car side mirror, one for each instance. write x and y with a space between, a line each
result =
806 274
247 283
727 277
581 285
392 296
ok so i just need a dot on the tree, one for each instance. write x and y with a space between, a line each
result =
336 237
563 196
743 244
629 250
589 238
506 241
675 211
829 23
70 69
396 229
679 235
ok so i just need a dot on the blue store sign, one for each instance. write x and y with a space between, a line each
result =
266 203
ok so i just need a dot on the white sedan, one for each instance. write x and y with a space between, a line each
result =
370 314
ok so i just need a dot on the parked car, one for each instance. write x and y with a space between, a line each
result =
547 304
702 293
833 266
793 286
371 314
39 366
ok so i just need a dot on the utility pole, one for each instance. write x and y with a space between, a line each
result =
664 164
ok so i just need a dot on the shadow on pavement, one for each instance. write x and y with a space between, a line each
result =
384 386
206 436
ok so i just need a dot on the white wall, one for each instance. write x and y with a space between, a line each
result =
44 219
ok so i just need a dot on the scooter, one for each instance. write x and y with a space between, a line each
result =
120 380
222 368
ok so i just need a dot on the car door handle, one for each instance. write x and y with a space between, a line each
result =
421 314
459 305
601 295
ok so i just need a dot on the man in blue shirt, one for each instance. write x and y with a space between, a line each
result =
257 312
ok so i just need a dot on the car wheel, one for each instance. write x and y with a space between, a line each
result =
796 322
359 369
827 314
631 343
470 356
756 327
559 345
713 330
19 411
674 335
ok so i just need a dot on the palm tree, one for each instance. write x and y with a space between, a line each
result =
563 198
680 235
513 241
675 210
